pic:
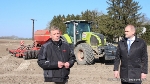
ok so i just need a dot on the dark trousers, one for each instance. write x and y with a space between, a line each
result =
129 83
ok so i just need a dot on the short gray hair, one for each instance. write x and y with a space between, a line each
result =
53 28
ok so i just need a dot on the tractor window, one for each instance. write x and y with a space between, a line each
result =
70 29
83 27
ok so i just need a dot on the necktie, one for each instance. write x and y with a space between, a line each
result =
129 44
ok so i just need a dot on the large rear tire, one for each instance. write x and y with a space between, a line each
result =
84 54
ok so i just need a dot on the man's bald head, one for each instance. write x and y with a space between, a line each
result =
131 27
129 31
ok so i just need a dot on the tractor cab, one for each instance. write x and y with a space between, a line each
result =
75 29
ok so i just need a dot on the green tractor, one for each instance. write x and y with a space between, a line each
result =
87 45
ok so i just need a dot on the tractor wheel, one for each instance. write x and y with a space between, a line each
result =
36 54
84 54
28 54
33 54
25 56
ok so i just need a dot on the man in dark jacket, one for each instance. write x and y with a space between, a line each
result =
56 58
132 52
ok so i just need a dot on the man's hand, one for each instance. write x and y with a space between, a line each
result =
67 65
116 74
60 64
143 76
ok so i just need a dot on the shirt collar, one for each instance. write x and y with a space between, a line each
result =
133 38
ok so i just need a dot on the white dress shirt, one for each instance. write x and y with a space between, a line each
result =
132 40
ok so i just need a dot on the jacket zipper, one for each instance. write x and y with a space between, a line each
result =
62 60
61 54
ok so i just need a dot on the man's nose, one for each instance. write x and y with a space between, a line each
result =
57 35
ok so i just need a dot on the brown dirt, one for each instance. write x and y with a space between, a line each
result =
19 71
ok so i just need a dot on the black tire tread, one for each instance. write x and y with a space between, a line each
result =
89 57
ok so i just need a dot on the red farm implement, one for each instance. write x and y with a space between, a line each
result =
31 51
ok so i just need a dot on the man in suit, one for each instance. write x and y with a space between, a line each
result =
132 53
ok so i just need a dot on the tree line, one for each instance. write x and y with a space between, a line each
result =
119 14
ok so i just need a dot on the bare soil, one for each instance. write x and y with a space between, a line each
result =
19 71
